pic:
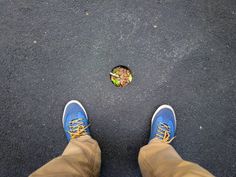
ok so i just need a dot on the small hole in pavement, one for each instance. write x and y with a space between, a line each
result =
121 76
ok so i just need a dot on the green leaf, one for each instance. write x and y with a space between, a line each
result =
116 82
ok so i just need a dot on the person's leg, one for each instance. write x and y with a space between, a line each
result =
82 156
159 158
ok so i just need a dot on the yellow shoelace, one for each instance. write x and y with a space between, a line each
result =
77 129
163 133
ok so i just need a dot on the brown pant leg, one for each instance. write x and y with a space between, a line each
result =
159 159
81 158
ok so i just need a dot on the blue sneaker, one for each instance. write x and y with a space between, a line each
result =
75 120
163 124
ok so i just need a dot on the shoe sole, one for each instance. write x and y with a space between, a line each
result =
72 101
162 107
